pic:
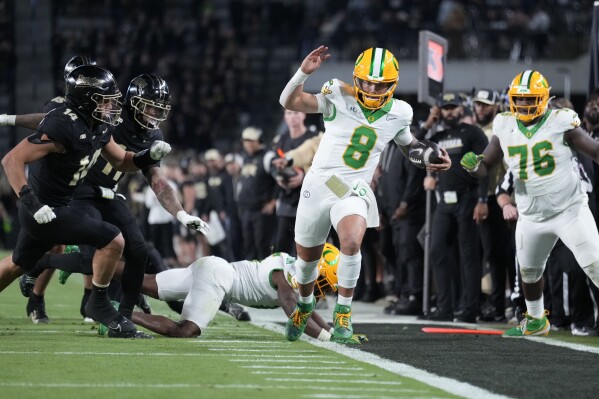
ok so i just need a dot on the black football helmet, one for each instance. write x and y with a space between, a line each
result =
93 90
77 61
148 99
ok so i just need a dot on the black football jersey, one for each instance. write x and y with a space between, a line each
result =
54 103
55 176
131 137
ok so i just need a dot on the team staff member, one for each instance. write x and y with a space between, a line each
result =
256 197
462 204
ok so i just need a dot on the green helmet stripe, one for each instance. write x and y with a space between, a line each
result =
377 63
371 62
526 77
359 59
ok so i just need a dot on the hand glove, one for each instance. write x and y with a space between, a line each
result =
356 339
41 213
470 161
193 222
159 149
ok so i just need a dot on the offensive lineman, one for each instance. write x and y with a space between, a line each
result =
359 122
537 144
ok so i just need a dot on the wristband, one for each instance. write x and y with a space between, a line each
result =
7 120
324 335
299 78
143 159
483 199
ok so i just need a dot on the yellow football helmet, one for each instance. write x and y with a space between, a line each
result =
326 282
375 65
529 84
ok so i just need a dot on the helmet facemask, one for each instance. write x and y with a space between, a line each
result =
376 66
149 113
529 96
108 108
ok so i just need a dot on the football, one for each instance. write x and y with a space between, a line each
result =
424 153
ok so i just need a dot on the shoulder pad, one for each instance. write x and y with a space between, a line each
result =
565 119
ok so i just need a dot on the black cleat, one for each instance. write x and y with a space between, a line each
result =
36 309
142 303
238 312
26 283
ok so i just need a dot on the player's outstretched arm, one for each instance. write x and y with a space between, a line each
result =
169 200
293 96
28 121
165 326
479 165
582 141
127 161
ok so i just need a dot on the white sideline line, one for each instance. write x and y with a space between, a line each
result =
325 381
334 396
289 360
239 341
253 357
449 385
313 372
259 350
259 366
4 332
562 344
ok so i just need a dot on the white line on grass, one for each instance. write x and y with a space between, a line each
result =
326 381
446 384
312 372
259 366
562 344
260 350
239 341
254 357
294 360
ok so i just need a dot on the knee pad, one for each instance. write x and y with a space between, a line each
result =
531 275
348 270
306 272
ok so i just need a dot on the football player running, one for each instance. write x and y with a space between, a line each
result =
359 122
537 144
147 104
65 146
266 284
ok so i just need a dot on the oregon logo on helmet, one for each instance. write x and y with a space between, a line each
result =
326 282
380 67
528 95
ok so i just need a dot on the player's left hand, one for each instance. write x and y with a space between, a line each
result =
159 149
440 167
193 222
470 161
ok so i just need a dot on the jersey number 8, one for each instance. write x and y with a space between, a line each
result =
358 151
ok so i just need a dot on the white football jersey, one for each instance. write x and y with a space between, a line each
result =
540 159
355 136
253 286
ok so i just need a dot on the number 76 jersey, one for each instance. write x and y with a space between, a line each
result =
355 136
538 156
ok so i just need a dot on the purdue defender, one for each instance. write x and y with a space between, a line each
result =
269 283
65 146
359 122
537 144
147 103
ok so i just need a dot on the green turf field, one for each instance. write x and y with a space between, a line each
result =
67 359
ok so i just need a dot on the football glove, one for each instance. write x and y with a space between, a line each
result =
41 213
193 222
356 339
470 161
159 149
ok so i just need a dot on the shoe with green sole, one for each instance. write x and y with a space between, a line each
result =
342 322
62 275
529 326
297 321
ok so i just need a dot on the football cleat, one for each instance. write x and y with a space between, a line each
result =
355 339
530 326
342 322
26 283
36 309
62 275
297 321
238 311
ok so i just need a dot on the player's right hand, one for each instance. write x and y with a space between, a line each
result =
159 149
470 161
355 339
44 215
313 60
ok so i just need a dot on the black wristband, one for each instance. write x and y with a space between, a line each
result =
143 159
29 200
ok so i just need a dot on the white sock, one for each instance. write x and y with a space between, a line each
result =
344 300
536 308
306 300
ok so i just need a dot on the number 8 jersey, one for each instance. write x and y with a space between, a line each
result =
541 161
355 136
